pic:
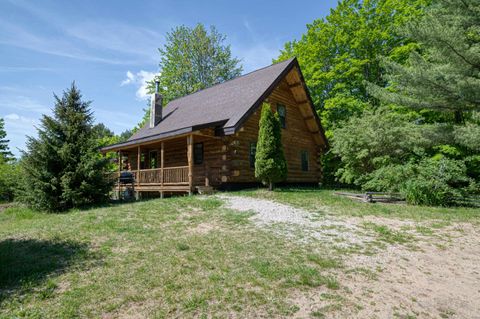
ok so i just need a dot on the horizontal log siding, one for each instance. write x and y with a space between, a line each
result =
295 138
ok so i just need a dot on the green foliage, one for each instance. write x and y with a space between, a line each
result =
270 163
62 167
374 140
444 75
340 53
8 168
193 59
9 177
437 182
5 153
384 151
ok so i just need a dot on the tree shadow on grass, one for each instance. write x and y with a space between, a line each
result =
26 263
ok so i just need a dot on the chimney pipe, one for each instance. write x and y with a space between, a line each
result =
156 106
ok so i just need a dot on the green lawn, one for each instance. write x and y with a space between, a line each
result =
161 258
176 257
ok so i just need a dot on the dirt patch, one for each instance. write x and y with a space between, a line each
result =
435 275
5 206
203 228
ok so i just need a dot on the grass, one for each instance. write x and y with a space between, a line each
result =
324 201
388 235
148 259
184 257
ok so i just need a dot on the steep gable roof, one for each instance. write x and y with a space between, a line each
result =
224 106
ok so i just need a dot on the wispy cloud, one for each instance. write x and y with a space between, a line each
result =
259 51
109 42
120 120
119 37
140 80
17 36
22 103
23 69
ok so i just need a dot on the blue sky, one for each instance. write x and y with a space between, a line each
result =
110 48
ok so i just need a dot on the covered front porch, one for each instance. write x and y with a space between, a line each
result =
180 164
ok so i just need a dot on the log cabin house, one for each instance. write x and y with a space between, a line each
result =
208 138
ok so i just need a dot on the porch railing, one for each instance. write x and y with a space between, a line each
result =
171 176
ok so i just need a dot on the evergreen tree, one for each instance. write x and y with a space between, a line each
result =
444 75
5 153
62 166
270 163
193 59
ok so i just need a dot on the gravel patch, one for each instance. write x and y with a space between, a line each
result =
298 223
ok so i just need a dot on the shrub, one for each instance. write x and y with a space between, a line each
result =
270 163
9 177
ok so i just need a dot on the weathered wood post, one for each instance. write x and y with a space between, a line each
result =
190 163
137 175
161 168
119 172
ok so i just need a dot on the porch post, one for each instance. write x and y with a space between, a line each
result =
119 171
162 147
137 176
190 162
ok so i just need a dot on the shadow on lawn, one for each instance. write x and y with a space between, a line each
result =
26 263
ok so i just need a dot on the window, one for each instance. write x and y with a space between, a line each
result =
198 153
282 114
153 159
251 154
304 160
143 162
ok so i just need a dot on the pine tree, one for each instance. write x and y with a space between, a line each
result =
444 75
5 153
62 166
270 163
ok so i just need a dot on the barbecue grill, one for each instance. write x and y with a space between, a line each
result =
126 178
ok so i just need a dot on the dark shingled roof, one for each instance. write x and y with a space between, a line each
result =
223 106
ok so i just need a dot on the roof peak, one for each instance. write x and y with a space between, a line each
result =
235 78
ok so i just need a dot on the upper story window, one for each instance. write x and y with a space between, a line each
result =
304 160
282 114
251 154
198 153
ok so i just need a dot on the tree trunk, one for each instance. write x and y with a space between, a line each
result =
270 186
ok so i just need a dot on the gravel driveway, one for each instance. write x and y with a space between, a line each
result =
437 276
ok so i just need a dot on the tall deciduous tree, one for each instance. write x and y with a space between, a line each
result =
193 59
62 166
270 163
5 153
444 75
339 53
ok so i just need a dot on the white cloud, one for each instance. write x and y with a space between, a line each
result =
139 79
